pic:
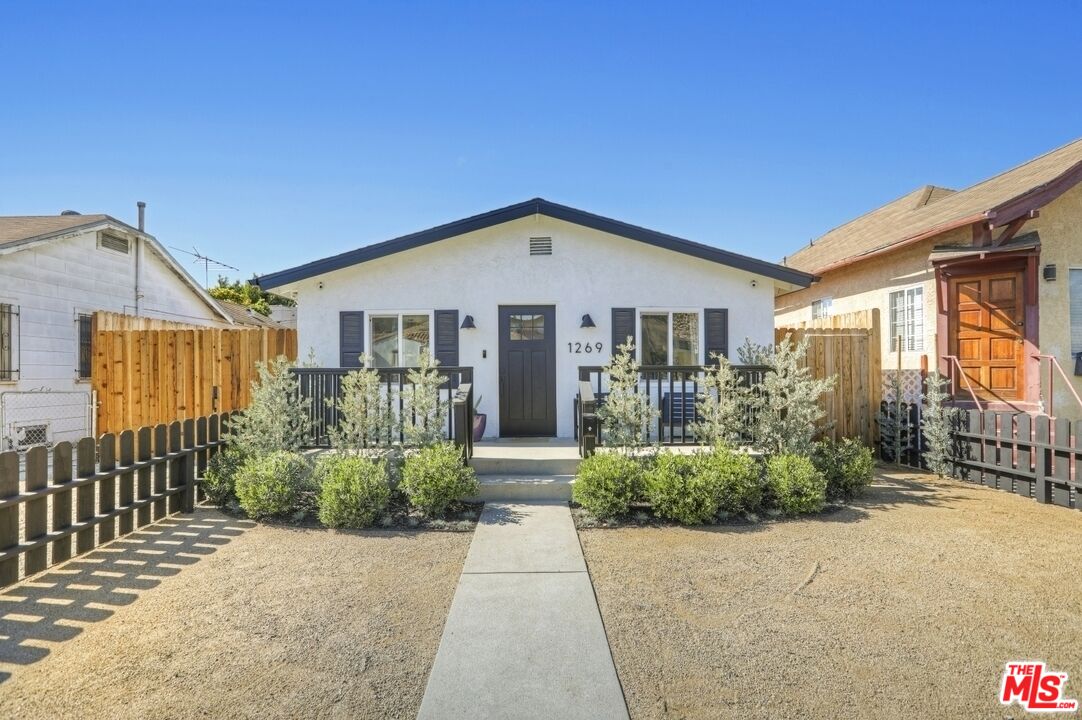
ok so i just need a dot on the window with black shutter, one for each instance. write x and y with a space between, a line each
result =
350 338
85 326
623 327
716 335
445 343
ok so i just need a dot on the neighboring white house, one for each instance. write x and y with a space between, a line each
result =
525 295
55 272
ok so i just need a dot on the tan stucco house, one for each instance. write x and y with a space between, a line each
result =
984 283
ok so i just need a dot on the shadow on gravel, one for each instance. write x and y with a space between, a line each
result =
54 606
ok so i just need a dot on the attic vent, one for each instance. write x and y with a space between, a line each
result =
112 242
541 246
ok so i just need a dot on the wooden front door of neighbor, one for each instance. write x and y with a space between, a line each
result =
987 314
527 370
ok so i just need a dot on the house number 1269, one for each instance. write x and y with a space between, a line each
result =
577 348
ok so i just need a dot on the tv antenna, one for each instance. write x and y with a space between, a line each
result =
208 263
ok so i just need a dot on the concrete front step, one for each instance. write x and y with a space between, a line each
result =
512 465
525 487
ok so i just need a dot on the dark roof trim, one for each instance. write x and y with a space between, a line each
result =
537 206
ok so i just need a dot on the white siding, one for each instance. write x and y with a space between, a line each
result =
588 272
52 282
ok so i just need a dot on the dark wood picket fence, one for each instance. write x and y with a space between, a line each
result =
59 502
1034 456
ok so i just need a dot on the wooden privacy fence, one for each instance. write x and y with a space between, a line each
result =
94 491
847 347
150 376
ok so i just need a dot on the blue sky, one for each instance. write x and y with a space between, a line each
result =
270 134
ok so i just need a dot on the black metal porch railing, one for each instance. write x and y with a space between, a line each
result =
673 391
323 385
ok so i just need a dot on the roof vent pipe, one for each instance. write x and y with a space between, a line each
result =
142 215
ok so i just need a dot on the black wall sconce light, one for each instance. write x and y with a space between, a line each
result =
1049 272
467 323
587 321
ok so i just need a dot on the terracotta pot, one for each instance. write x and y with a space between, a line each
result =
479 421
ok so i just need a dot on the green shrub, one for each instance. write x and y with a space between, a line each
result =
607 483
220 478
353 490
848 466
797 486
435 476
679 491
736 477
273 485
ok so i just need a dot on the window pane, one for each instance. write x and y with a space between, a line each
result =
6 342
84 347
655 340
414 339
385 341
685 338
527 327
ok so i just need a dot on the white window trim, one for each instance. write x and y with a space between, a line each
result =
372 314
1070 339
890 320
829 305
698 312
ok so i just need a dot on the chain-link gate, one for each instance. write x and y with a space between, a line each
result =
44 417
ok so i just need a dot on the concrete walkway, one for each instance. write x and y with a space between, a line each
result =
524 637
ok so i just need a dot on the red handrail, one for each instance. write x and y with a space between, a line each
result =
1053 362
953 359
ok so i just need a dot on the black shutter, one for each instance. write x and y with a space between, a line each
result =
445 337
717 333
623 327
350 338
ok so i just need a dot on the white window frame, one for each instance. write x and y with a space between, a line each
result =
826 304
668 311
914 342
373 314
79 314
1070 335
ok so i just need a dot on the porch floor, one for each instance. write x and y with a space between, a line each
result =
527 449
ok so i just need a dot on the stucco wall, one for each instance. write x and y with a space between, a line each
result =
1060 226
868 284
588 272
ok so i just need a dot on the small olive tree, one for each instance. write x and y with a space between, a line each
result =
787 408
277 418
365 416
720 404
937 421
423 413
626 414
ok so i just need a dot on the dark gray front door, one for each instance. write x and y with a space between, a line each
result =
527 370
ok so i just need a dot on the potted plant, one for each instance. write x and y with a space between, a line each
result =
479 420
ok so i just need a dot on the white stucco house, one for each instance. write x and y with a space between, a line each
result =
527 294
55 272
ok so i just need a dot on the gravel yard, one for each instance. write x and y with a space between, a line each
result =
210 616
905 605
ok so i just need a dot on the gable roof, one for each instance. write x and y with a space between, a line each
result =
536 206
20 231
929 211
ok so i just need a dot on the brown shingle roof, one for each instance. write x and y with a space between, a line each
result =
930 210
25 227
245 316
